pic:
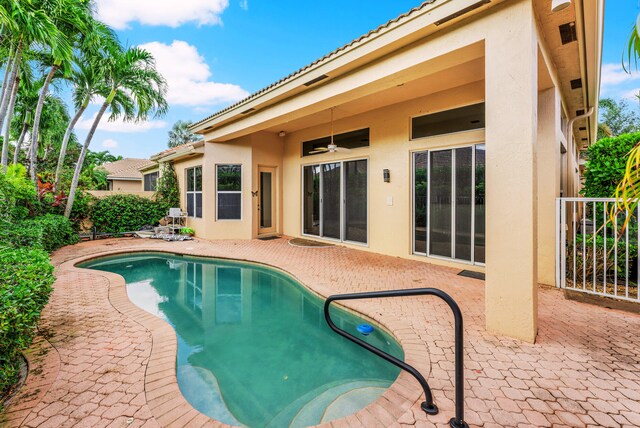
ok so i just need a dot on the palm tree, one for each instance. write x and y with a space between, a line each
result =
87 79
27 25
69 17
133 91
28 95
180 134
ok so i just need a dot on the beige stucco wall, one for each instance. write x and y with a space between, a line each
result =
251 152
105 193
126 186
390 148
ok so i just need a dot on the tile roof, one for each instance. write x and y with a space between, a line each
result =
316 62
126 168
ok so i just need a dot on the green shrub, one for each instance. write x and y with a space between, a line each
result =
25 285
48 232
57 231
26 233
606 163
125 213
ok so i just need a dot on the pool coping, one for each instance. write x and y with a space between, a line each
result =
163 395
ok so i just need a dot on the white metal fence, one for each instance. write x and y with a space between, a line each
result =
596 253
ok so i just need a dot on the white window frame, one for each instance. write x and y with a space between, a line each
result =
144 182
228 191
342 199
412 138
193 193
453 208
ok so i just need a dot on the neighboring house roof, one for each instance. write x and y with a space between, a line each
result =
178 152
335 52
126 169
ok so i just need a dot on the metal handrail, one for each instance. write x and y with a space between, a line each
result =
428 405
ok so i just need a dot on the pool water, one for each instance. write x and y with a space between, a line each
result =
253 346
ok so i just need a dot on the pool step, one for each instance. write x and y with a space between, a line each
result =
192 381
328 402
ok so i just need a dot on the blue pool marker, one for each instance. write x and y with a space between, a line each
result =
365 329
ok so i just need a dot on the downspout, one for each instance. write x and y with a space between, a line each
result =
572 121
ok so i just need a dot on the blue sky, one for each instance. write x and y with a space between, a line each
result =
215 52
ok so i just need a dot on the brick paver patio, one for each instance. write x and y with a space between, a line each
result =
100 361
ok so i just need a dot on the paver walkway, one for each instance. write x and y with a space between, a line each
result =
101 362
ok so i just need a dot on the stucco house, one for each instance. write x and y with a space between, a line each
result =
453 132
125 175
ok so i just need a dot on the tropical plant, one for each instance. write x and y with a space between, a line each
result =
606 164
181 134
69 17
167 190
628 190
133 91
87 79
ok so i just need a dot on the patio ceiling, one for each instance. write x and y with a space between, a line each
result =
404 89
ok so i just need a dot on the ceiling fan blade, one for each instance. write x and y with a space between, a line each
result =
319 150
343 150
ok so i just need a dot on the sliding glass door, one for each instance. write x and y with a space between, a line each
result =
335 201
448 211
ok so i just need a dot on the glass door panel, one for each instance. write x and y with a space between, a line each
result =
311 202
331 178
420 167
464 204
355 187
440 206
266 200
479 237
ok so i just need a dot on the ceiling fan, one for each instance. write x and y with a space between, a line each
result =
332 147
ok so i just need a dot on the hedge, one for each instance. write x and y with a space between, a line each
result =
126 213
48 232
607 159
25 285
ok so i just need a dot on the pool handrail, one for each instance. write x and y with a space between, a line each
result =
428 406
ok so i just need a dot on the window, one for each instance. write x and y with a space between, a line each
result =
151 182
193 288
194 192
448 203
335 203
446 122
348 140
229 192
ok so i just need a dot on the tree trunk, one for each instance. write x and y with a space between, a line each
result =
5 81
12 79
7 130
65 143
33 164
83 154
16 154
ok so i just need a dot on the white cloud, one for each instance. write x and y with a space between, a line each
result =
109 144
119 13
188 76
615 78
119 126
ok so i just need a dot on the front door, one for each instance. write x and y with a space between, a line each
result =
267 200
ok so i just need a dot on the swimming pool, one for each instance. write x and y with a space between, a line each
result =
253 345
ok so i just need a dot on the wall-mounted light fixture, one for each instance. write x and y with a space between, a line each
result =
558 5
386 175
281 134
